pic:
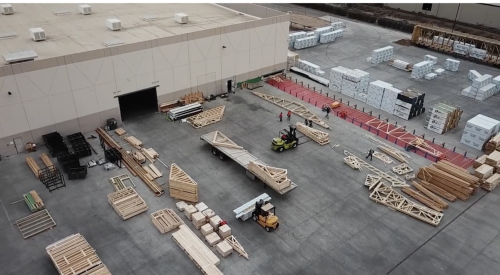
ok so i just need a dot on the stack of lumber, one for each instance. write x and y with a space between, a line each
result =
224 248
98 270
458 172
429 194
450 183
277 178
181 185
166 220
215 222
493 159
192 98
213 239
423 199
320 137
150 153
74 255
198 220
493 144
479 161
120 132
46 160
134 142
189 211
353 162
483 172
139 157
34 201
197 251
127 203
34 166
225 231
206 229
491 183
209 213
438 191
151 173
167 106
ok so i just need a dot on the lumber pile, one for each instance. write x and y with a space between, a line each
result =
429 194
224 248
493 159
181 185
33 166
423 199
479 161
127 203
197 251
150 153
213 239
167 106
139 157
275 177
198 220
134 142
402 169
206 117
483 172
493 144
439 191
450 183
33 201
74 255
457 171
491 183
166 220
322 138
46 160
353 162
120 132
192 98
150 172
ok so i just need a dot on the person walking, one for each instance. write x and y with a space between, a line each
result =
306 122
327 112
281 116
288 115
310 123
370 154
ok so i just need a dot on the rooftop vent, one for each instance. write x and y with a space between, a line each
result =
114 24
23 56
150 17
113 42
63 12
7 9
85 9
38 34
7 34
181 18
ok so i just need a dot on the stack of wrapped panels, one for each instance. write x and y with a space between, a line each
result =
443 41
382 54
431 58
409 104
376 93
477 84
473 74
389 99
338 25
294 36
486 91
451 64
338 33
496 80
462 48
430 76
477 53
326 37
421 69
442 117
479 130
336 76
306 42
320 31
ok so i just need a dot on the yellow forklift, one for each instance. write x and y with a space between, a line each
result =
265 215
286 140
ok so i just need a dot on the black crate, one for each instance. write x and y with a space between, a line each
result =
77 173
52 178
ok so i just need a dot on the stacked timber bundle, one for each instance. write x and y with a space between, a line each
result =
74 255
491 183
484 172
450 183
493 144
166 220
33 166
34 201
181 185
197 251
443 117
134 142
457 171
493 159
479 161
127 203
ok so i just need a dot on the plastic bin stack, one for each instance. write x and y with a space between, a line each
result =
451 64
479 130
421 69
382 54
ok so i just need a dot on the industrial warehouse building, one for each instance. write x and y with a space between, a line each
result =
84 73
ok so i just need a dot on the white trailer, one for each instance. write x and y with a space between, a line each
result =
224 147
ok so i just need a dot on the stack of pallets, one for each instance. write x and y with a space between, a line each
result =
127 203
166 220
74 255
34 201
181 185
199 253
493 144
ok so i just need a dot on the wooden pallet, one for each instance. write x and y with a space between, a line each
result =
120 132
181 185
383 157
233 242
207 117
402 169
98 270
166 220
275 177
295 107
134 142
429 194
353 163
35 223
423 199
127 203
118 182
320 137
387 196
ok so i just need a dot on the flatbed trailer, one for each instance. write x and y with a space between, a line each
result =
240 156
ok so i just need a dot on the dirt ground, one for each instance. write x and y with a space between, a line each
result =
304 22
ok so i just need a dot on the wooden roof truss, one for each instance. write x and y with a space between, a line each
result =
320 137
276 177
207 117
221 140
295 107
402 169
395 181
387 196
372 180
383 157
178 175
353 162
233 242
396 151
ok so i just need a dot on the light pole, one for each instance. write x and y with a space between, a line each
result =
456 16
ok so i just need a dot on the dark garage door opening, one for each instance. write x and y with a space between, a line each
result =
138 104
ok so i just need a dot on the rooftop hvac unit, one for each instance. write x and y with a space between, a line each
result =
114 24
181 18
38 34
7 9
85 9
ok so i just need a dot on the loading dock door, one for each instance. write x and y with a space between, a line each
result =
137 104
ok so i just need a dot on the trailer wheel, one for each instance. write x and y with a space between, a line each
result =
215 151
221 156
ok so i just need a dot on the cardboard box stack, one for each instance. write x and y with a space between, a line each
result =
294 36
431 58
451 64
376 93
479 130
382 54
421 69
409 104
443 117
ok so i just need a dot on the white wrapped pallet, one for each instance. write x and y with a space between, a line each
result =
443 41
336 76
400 64
477 53
338 25
361 97
421 69
338 33
496 80
320 31
349 88
439 71
473 74
294 36
310 34
326 37
462 48
451 64
389 99
382 54
430 76
486 91
478 83
376 93
305 42
466 91
478 131
364 79
431 58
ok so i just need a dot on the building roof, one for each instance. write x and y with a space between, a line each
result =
69 32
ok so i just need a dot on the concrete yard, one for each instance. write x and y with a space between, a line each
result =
328 224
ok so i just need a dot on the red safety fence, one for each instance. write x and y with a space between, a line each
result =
393 133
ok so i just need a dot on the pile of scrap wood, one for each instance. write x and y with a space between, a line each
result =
192 98
451 178
320 137
127 203
277 178
166 220
479 161
197 251
206 117
181 185
134 142
74 255
353 162
493 144
34 201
